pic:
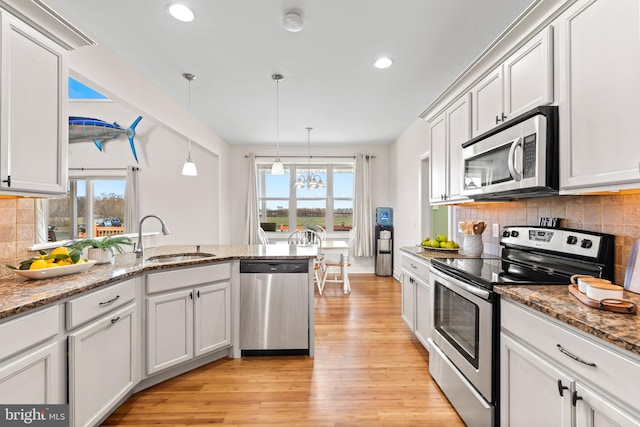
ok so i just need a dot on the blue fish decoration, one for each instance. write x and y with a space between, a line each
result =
83 129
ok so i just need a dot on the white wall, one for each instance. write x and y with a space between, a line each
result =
189 203
381 195
186 204
406 153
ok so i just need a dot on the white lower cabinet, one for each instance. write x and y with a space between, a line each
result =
104 362
31 362
190 317
552 375
416 307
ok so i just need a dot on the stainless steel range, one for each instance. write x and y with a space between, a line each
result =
465 333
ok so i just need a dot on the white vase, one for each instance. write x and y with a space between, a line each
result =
100 255
472 245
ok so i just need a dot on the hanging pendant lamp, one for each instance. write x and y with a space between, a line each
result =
277 168
311 181
189 168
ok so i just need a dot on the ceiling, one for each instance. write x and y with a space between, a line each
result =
234 46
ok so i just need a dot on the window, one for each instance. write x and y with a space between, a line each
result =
94 207
284 208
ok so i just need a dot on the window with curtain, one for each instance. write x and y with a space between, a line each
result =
283 208
94 207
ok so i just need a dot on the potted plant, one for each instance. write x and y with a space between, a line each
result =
103 249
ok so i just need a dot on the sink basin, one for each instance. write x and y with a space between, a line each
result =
162 259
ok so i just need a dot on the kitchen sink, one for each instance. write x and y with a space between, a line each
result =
162 259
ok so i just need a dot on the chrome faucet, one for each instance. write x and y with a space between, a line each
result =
139 250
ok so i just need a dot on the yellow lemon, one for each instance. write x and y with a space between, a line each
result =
38 264
62 262
81 261
60 251
53 264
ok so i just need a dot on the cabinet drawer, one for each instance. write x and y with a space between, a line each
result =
614 372
187 277
27 331
83 309
416 267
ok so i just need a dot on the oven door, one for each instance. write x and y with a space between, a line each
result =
463 328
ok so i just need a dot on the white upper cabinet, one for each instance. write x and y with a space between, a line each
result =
522 82
33 111
599 91
447 132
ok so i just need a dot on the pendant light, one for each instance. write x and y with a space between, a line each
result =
311 181
189 168
277 168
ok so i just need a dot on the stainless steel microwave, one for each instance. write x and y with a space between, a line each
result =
515 160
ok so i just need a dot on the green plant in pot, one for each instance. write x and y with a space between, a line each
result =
103 249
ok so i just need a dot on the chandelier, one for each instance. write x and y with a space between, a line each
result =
311 181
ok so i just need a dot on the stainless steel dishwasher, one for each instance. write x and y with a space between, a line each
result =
274 307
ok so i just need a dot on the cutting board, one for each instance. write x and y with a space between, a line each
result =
632 274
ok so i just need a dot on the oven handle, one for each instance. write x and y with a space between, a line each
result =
451 282
511 161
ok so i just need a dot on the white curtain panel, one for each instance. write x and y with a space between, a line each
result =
362 243
251 235
131 200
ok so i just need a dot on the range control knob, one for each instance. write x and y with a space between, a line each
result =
586 243
514 233
506 233
572 240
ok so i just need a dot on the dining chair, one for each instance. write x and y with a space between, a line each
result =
264 239
338 263
309 237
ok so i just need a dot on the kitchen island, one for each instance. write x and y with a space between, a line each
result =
92 339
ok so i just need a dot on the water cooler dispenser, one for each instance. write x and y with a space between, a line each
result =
384 242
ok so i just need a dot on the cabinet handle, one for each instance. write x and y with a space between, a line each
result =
497 119
198 294
109 302
8 180
115 320
561 388
413 266
503 117
574 357
191 295
575 398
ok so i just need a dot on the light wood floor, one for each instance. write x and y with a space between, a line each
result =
368 370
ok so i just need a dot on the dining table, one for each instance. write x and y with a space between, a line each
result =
341 248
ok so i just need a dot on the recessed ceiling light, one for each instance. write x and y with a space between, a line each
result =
292 22
181 12
383 63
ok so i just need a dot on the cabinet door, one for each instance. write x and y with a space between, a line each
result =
35 377
599 89
438 159
408 300
423 312
212 317
33 112
528 75
594 410
459 127
530 388
103 365
169 329
487 106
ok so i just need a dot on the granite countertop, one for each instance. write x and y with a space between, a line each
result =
555 301
18 294
429 254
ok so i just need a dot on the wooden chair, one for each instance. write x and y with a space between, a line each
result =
309 237
337 263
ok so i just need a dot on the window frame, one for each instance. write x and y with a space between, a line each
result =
292 200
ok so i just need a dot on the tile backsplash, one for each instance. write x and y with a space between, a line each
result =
617 214
16 227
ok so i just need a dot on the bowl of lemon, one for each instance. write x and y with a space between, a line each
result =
59 262
440 243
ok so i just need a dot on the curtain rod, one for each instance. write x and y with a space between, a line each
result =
103 169
310 157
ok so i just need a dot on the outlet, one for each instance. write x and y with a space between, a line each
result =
460 226
496 230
